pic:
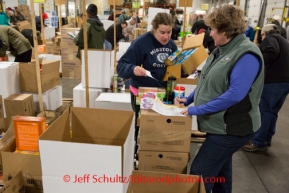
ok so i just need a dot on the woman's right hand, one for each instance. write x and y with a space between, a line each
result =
180 101
139 71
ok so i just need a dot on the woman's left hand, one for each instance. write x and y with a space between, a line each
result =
185 111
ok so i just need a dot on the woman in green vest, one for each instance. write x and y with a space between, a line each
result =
226 98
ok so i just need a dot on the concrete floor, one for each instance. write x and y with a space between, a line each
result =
252 172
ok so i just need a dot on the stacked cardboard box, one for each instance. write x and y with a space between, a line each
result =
71 66
53 46
164 142
138 32
25 11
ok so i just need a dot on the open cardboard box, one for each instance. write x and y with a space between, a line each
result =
15 185
102 144
30 166
158 182
165 133
200 54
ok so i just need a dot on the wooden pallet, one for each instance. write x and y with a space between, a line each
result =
198 137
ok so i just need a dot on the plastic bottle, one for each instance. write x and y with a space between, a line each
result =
172 81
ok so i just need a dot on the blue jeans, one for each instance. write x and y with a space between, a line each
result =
214 160
107 45
272 99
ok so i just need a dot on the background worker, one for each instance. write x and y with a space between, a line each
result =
276 19
198 25
95 31
16 43
275 51
139 58
109 35
226 98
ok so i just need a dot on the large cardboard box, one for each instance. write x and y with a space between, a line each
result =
24 25
30 166
173 71
9 135
117 101
19 104
52 99
165 133
52 57
170 162
79 96
49 76
100 68
9 80
101 146
158 182
71 66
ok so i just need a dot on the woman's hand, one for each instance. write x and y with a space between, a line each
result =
138 71
180 101
185 111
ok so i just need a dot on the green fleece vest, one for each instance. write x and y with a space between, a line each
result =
244 117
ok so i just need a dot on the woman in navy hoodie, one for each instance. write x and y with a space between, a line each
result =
148 52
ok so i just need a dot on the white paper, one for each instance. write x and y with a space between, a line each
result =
166 110
71 34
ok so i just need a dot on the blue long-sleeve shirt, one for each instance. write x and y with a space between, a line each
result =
241 79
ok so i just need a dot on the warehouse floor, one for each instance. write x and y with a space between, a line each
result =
252 172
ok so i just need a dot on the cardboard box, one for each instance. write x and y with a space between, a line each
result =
60 2
165 133
52 99
52 57
173 70
9 135
24 25
117 101
117 2
169 162
71 66
185 3
15 185
144 182
9 80
27 132
100 68
79 96
104 141
30 166
49 76
1 109
19 104
200 54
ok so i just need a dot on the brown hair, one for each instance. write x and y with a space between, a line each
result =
162 19
228 19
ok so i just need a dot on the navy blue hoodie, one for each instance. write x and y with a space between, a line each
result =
147 51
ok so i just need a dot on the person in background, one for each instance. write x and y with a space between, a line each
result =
208 41
19 16
4 19
249 31
276 19
129 29
287 32
123 17
176 28
275 51
139 58
95 31
11 16
111 16
226 98
16 43
109 35
200 24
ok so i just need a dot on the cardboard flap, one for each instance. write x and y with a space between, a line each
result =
187 81
15 185
87 123
172 183
59 130
193 41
